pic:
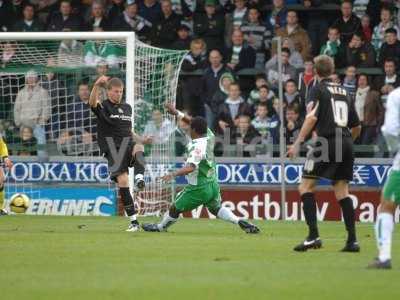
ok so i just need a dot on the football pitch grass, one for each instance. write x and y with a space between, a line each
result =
93 258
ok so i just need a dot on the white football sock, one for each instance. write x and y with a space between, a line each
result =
166 222
383 233
133 217
227 215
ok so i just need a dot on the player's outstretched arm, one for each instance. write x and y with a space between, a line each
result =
180 115
94 98
187 169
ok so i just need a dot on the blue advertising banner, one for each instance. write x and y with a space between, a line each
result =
365 175
85 201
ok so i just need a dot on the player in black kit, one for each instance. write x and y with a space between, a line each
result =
117 142
335 123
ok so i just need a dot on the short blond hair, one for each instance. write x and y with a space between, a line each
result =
198 42
324 65
114 82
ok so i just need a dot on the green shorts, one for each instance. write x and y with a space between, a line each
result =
391 190
192 197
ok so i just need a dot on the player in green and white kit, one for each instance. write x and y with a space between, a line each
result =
391 191
200 171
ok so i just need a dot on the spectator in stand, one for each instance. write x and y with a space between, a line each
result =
210 26
266 122
296 33
70 53
366 28
370 111
277 106
359 53
182 137
28 143
75 145
150 10
101 51
291 94
374 9
317 23
32 107
43 9
350 81
231 109
379 34
306 81
184 39
28 23
391 48
18 6
98 17
79 116
8 54
257 36
389 81
101 70
129 20
58 91
334 47
293 123
277 18
235 19
288 71
241 55
220 96
115 9
360 8
348 23
254 96
7 16
185 9
65 19
335 78
266 98
245 136
164 30
295 59
192 86
159 129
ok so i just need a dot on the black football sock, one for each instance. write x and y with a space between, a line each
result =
349 218
139 163
310 213
127 200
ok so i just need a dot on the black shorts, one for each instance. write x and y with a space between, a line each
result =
335 165
120 163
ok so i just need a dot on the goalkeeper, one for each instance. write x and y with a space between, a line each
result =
390 197
4 161
203 188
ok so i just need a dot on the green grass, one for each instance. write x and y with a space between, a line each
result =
56 258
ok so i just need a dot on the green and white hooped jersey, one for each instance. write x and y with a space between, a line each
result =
201 154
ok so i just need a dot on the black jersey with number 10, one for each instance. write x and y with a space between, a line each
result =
333 108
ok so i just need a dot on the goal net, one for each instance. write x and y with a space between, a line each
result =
45 82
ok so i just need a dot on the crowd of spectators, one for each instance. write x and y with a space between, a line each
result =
223 37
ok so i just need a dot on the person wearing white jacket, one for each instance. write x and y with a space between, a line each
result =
32 107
